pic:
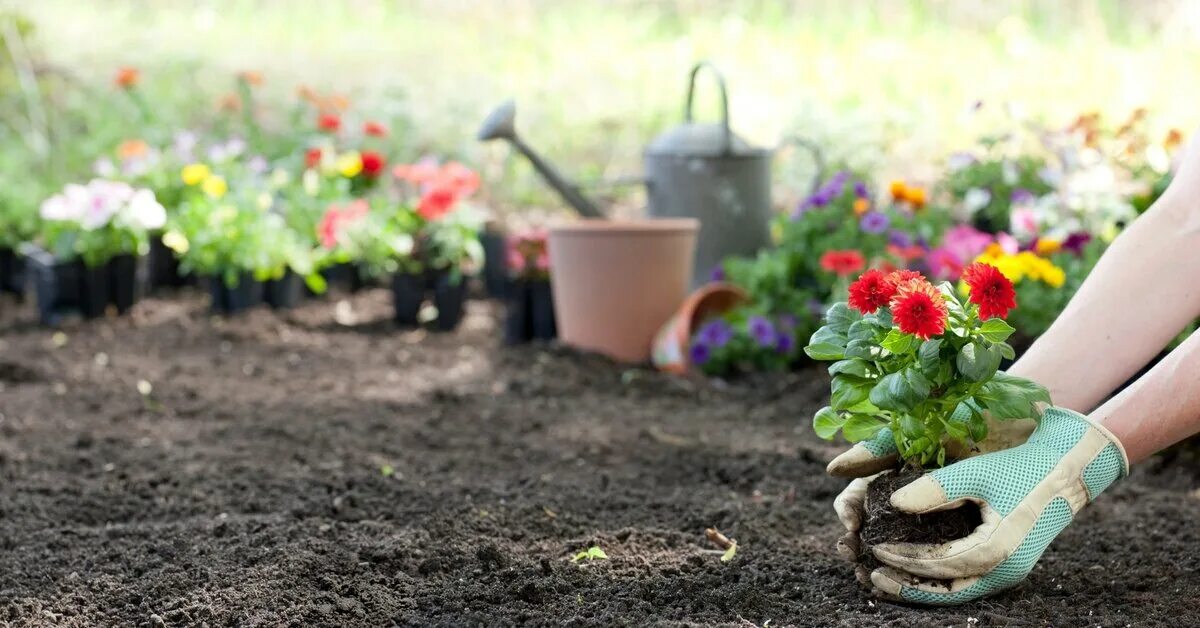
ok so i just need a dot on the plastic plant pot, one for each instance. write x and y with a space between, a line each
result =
283 293
449 295
518 322
495 271
56 284
541 310
232 300
163 267
344 278
94 291
12 273
408 292
123 282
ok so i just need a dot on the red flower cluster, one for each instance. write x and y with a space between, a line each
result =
375 129
990 290
336 218
372 164
919 309
441 187
875 288
843 263
329 122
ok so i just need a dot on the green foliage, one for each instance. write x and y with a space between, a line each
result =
592 553
1000 176
883 377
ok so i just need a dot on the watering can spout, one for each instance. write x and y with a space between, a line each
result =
501 125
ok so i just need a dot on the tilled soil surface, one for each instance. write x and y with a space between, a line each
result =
320 468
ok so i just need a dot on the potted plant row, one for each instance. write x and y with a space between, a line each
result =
530 304
86 258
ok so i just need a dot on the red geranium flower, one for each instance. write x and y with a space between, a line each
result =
906 253
337 218
437 202
375 129
422 172
872 291
919 309
990 290
329 122
372 163
460 178
312 157
843 263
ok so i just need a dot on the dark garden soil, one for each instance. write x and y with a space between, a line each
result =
317 467
885 524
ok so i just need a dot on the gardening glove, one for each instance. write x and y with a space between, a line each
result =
868 458
1027 495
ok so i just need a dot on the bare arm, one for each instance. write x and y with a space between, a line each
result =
1143 291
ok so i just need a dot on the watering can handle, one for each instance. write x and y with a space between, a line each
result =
818 159
687 110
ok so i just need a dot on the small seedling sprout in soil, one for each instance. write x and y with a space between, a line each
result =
592 553
906 355
720 540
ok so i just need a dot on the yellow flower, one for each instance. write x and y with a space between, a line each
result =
194 173
993 251
349 164
1011 267
1054 276
1048 246
176 242
215 186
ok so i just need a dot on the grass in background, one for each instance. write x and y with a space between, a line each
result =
595 80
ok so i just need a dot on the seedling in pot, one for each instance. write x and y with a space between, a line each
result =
918 364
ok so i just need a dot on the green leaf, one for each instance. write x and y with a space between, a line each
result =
849 390
929 357
849 367
957 430
1009 397
862 349
977 426
840 316
595 553
1006 351
996 330
976 362
861 330
911 426
1031 389
860 427
900 391
899 342
826 344
827 422
729 553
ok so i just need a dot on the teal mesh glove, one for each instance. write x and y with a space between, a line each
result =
1027 494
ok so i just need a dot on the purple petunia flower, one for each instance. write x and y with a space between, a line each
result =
874 222
860 190
1021 196
699 353
717 273
784 343
787 322
762 331
1076 241
716 333
900 239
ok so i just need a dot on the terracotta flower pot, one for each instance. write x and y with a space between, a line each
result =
616 282
671 343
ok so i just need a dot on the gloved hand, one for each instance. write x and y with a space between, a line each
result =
1027 495
866 459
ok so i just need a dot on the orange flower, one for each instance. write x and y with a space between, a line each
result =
375 129
861 206
251 77
915 196
132 149
307 94
127 78
1173 140
898 190
230 102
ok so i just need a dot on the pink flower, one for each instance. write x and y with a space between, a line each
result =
1024 222
944 264
965 242
1008 243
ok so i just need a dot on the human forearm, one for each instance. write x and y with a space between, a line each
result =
1161 408
1139 296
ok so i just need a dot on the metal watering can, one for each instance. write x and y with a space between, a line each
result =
694 170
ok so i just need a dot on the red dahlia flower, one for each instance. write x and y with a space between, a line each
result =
897 277
872 291
990 290
843 263
375 129
372 163
919 309
329 122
